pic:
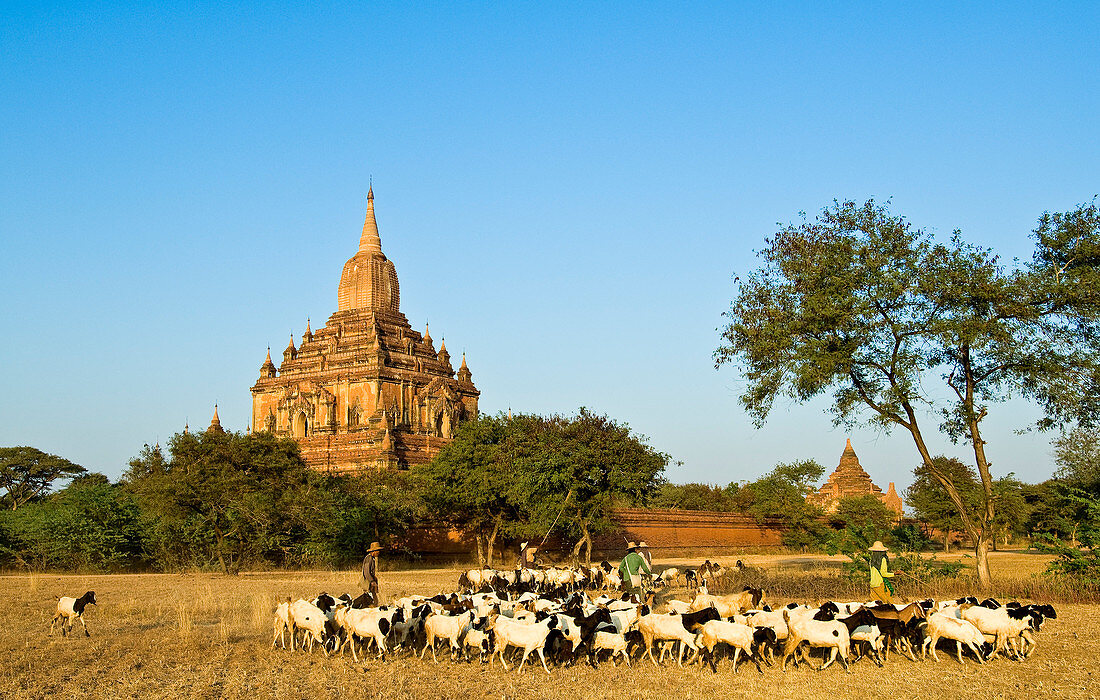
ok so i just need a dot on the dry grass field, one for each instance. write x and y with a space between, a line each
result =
205 635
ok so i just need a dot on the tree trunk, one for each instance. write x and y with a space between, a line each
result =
493 540
981 556
586 542
480 540
946 541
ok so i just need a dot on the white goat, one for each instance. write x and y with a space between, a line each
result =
367 623
613 642
283 625
737 635
307 616
510 633
446 627
949 627
1003 624
666 628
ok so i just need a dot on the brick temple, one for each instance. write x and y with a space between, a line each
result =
366 391
849 479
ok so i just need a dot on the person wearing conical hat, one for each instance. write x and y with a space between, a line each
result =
881 585
369 580
631 568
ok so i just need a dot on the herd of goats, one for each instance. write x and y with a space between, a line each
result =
570 615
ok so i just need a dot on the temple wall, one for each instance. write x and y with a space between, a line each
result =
664 530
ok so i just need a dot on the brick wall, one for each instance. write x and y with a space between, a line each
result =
664 530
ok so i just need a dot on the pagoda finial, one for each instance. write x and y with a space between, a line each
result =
464 361
369 242
215 423
849 445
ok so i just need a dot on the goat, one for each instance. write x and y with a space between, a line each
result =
740 637
445 627
307 616
70 609
828 635
729 605
1003 623
282 625
480 638
673 628
370 623
527 637
946 626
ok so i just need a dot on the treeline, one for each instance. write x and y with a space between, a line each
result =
231 501
1060 515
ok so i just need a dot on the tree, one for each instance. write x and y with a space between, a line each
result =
859 305
694 497
27 473
781 495
576 468
472 481
91 524
930 502
222 497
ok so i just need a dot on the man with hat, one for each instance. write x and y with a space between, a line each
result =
631 568
881 585
369 580
527 556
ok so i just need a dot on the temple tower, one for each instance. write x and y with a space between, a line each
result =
366 391
849 479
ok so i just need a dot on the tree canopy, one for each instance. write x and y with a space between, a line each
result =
27 473
859 305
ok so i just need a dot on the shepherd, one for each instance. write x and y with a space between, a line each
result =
528 556
631 568
369 580
881 585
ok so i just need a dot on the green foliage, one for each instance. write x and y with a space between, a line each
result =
695 497
860 306
530 474
223 497
91 525
27 473
781 495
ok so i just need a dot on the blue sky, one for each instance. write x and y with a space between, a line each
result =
566 191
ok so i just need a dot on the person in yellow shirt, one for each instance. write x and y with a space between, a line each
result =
881 585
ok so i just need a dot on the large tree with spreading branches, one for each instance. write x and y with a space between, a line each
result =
859 305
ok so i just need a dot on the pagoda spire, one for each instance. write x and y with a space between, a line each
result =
369 242
215 423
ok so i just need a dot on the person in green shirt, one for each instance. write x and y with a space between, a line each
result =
631 568
881 585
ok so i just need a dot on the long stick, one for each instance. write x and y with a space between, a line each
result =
560 511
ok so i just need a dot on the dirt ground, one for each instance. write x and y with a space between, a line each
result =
206 635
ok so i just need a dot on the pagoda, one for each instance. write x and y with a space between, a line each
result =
366 391
849 479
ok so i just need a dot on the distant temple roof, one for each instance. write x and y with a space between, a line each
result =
850 479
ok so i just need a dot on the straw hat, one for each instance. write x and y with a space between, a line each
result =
642 544
878 546
374 547
631 545
522 545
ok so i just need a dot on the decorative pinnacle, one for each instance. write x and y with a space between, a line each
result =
369 242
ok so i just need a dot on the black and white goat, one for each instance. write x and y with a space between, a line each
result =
71 609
